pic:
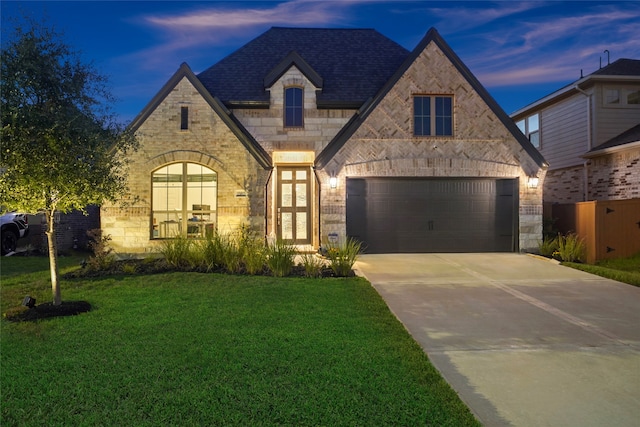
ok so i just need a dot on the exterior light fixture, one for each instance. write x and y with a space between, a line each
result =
333 182
29 302
533 181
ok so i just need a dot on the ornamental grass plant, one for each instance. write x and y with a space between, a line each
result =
343 256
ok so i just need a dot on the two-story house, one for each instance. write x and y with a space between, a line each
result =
586 132
309 135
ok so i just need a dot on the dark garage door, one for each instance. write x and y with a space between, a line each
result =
433 215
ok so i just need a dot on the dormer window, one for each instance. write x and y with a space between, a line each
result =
293 107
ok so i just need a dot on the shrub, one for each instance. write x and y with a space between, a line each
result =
251 249
103 256
342 257
312 265
129 268
571 248
548 246
177 252
280 256
212 249
231 257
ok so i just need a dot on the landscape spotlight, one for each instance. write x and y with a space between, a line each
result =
29 302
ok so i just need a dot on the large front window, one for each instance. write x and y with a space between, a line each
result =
183 200
432 115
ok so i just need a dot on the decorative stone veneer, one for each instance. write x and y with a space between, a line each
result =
208 141
267 126
384 145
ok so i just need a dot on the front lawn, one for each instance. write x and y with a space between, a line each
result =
212 349
625 270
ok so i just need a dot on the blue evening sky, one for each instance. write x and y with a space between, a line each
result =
519 50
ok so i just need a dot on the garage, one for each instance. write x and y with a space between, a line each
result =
409 215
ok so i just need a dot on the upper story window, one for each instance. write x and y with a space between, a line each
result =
184 198
433 115
293 107
620 97
531 128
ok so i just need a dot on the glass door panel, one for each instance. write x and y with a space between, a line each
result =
293 205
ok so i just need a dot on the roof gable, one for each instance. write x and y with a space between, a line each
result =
353 64
293 59
432 36
256 150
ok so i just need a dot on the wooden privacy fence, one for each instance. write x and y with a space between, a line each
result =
610 228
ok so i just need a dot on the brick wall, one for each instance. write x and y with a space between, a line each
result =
615 176
564 185
481 146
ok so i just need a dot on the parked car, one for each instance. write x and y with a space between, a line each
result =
13 226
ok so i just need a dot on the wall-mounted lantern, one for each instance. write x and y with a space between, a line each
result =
333 182
532 182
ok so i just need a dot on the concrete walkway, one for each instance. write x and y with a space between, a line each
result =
524 341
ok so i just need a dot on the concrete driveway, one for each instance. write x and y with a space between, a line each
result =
524 341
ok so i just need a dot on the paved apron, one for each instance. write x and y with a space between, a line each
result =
524 341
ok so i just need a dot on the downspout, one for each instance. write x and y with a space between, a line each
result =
585 164
319 205
266 207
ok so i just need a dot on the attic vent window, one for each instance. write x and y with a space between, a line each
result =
432 115
184 118
293 107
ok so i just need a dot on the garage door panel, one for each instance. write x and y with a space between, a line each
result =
432 215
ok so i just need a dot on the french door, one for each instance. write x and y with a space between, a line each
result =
294 205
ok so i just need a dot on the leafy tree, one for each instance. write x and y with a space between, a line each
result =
62 149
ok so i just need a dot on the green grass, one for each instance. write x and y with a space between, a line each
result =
625 270
210 349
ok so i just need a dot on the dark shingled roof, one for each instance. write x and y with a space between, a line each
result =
626 137
621 67
352 63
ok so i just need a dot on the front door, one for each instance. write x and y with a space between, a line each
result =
294 205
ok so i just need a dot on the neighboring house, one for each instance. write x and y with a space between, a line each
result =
313 135
588 132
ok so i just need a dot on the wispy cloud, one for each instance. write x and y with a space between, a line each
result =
188 33
531 49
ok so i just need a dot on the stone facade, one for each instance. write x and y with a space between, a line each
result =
207 141
382 146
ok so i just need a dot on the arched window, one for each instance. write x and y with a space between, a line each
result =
293 107
183 200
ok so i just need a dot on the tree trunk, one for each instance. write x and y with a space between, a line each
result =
53 256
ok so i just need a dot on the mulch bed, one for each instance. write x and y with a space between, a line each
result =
48 310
